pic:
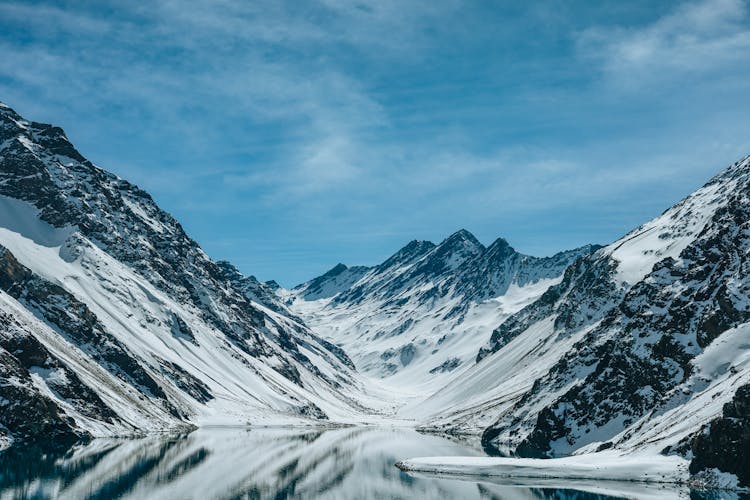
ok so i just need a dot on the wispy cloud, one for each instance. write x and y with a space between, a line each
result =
51 19
697 38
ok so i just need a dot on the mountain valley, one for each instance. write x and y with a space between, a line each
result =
116 323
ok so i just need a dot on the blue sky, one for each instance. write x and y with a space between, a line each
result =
289 136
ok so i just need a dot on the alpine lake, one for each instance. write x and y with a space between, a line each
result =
281 463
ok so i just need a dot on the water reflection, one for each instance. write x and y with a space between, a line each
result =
274 464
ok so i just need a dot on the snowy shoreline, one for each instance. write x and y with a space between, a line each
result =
600 466
603 466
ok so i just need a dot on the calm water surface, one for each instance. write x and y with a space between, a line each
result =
351 463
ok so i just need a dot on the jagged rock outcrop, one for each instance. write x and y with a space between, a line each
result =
724 444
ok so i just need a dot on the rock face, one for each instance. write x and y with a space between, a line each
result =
261 292
633 335
115 321
75 321
725 443
27 414
422 314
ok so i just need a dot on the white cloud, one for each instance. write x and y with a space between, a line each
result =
695 39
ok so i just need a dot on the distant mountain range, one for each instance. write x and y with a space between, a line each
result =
425 311
115 322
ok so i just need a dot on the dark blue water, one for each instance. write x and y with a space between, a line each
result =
351 463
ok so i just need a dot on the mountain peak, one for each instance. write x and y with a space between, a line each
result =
335 280
11 123
416 246
462 235
335 270
735 170
501 247
50 138
6 110
462 240
450 253
410 251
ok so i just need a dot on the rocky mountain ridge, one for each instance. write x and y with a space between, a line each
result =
115 321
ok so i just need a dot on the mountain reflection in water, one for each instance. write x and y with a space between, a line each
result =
344 463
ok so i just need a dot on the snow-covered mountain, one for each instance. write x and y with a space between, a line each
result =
114 321
418 318
643 345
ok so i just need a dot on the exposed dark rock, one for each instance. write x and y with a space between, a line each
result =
75 321
339 353
311 410
337 279
181 330
448 365
26 415
407 353
725 443
185 381
35 358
